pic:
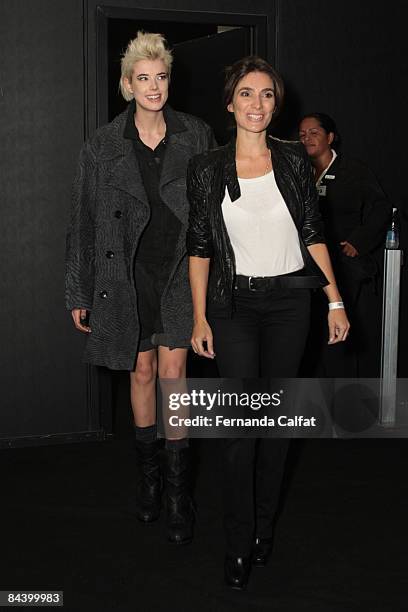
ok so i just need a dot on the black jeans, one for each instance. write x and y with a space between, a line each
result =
264 338
359 356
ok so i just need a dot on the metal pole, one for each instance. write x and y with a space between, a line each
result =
389 344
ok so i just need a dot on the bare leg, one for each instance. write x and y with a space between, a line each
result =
172 373
143 389
172 363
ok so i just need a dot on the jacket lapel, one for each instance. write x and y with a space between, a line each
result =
125 174
285 179
230 170
283 171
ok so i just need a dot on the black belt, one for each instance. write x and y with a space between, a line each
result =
293 280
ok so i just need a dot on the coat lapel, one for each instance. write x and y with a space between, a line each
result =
178 149
178 153
125 174
172 185
175 160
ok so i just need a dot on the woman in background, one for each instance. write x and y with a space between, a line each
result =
355 214
256 249
127 264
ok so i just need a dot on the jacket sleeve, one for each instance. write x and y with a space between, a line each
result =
376 214
312 230
199 238
80 250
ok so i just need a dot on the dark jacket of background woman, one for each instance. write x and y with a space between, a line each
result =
110 211
208 176
357 208
354 209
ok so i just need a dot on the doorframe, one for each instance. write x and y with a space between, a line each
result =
96 103
95 33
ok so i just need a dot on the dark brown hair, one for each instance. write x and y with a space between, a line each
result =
327 124
252 63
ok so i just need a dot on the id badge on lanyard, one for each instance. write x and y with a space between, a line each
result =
321 188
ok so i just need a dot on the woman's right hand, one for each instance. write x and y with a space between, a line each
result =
79 316
202 333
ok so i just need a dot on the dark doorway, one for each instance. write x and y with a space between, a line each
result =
121 31
203 44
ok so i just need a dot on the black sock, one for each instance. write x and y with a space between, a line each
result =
177 445
146 434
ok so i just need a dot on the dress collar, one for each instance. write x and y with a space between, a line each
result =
173 124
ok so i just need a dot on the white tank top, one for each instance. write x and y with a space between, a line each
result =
261 230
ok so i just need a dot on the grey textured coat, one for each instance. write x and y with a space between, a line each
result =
109 213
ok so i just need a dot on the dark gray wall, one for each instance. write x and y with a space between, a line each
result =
345 57
349 59
43 383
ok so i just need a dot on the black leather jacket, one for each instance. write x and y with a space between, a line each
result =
207 177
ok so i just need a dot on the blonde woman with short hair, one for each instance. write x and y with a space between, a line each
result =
127 280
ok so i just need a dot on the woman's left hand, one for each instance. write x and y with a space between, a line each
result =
338 325
348 249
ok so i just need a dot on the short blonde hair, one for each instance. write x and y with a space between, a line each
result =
145 46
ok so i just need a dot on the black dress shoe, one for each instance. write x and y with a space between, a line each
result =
236 572
261 551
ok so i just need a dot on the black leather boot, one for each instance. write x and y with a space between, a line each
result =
149 485
236 572
261 551
180 512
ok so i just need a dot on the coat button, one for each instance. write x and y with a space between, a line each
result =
118 214
110 254
103 295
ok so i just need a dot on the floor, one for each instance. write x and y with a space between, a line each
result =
340 544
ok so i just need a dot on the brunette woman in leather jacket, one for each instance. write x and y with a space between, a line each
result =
256 248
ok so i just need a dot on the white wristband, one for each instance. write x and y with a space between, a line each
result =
335 305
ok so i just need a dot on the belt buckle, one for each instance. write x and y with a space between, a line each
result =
249 283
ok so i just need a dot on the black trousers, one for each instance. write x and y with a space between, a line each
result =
264 338
360 355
